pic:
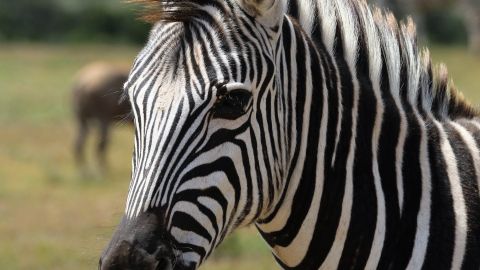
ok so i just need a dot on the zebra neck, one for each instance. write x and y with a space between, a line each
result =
355 152
311 105
360 145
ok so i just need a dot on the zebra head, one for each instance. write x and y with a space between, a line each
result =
208 155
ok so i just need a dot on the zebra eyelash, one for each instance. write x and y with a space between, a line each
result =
126 118
123 96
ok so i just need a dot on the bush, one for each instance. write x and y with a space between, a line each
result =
112 21
445 26
48 20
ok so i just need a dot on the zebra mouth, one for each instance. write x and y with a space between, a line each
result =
130 257
143 244
133 256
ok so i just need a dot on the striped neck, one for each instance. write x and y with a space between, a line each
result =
355 101
310 103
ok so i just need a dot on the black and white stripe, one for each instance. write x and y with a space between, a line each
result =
334 135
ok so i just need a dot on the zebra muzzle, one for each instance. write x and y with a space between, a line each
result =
140 243
128 256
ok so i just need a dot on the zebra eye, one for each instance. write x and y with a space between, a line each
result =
231 104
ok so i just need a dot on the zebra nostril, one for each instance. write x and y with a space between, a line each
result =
165 258
137 257
164 264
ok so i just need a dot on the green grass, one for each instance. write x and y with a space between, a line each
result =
50 217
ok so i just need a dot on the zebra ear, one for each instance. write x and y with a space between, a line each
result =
268 12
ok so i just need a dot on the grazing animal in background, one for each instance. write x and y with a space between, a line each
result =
97 100
333 135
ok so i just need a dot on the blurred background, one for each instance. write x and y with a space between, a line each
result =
54 217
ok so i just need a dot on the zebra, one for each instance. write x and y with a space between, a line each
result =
96 99
334 135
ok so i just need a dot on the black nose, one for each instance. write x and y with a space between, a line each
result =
128 256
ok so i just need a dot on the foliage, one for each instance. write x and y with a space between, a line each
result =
115 21
50 20
445 26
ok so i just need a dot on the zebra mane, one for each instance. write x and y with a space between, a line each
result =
386 43
168 10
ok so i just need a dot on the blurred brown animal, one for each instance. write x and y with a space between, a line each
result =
97 99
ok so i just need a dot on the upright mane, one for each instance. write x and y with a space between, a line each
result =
386 42
168 10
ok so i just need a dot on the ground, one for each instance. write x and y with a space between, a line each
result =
53 218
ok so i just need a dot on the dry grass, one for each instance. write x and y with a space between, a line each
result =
50 217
